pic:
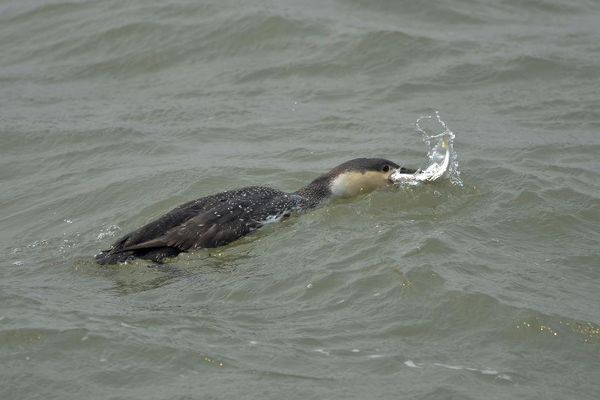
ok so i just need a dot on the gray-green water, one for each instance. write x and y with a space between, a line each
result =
113 112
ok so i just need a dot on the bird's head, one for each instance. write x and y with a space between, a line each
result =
354 177
360 176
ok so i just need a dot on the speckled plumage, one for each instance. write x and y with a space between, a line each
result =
222 218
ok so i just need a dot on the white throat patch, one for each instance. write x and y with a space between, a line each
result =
349 184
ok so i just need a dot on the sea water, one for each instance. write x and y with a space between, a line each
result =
114 112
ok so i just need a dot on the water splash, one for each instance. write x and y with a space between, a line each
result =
109 231
436 142
442 159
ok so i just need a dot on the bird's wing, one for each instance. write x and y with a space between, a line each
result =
213 227
170 220
209 222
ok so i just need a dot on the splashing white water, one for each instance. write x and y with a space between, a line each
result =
442 160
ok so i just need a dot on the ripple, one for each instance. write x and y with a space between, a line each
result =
114 112
431 246
449 13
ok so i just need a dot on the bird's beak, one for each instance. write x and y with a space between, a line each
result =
400 173
390 176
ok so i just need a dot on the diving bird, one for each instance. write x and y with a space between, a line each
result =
222 218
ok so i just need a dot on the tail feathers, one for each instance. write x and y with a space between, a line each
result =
112 257
156 254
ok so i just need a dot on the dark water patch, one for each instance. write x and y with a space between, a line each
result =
500 70
553 154
467 74
372 53
33 10
293 69
137 48
126 39
389 51
259 32
465 312
553 7
138 277
406 90
127 66
581 266
449 13
542 68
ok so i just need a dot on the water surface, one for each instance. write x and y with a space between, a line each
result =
113 112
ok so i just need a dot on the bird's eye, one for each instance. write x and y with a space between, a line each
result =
385 168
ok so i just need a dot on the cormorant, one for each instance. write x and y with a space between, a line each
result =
222 218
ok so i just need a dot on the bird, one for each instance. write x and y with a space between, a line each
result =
222 218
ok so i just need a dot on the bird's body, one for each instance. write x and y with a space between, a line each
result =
222 218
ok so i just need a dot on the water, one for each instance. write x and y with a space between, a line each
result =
442 160
113 112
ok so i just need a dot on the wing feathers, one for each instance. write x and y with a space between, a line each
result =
209 222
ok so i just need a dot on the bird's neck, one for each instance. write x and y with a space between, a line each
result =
316 192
